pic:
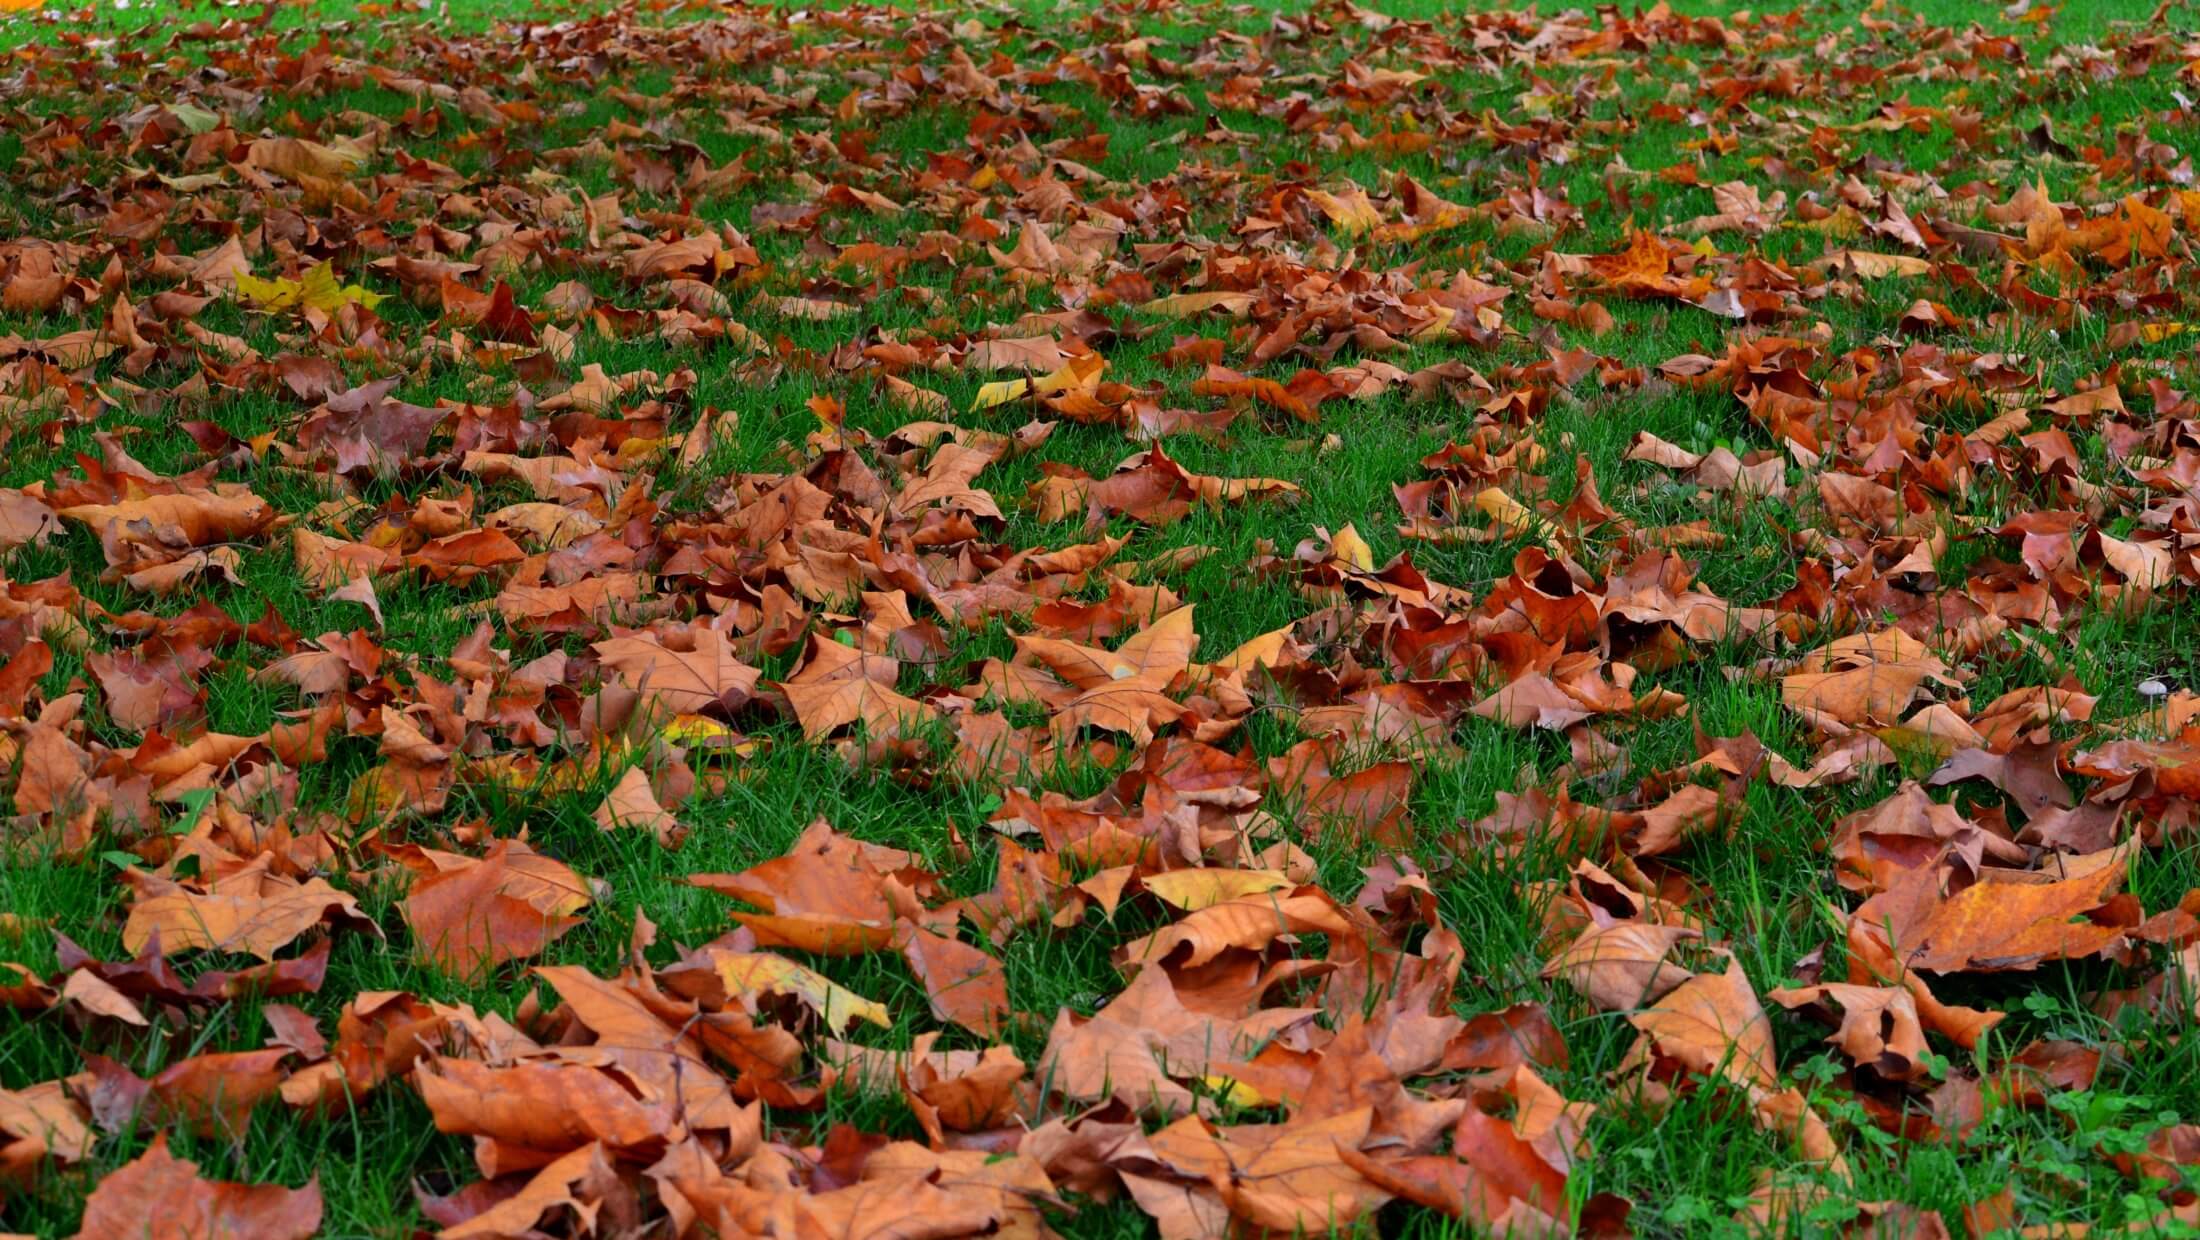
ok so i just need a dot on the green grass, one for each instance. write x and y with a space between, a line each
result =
1766 886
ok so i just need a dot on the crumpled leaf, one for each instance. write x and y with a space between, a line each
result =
163 1197
251 911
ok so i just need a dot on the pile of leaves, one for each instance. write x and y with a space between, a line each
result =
462 482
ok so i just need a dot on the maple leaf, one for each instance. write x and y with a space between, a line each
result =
1713 1025
838 685
1246 923
1350 211
159 1195
1867 678
632 803
965 985
249 910
962 1092
2004 921
1196 888
363 430
1156 653
687 670
576 1181
470 914
828 894
157 529
42 1123
1623 965
721 977
304 159
1096 1058
1882 1027
1080 373
583 571
544 1102
318 289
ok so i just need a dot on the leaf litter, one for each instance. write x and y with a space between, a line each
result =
1295 1031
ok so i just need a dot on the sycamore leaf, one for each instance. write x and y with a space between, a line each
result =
158 1194
740 977
1196 888
318 289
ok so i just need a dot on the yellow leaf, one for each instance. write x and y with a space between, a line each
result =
1538 102
1841 225
1350 211
1185 305
1264 649
1439 324
1353 549
195 118
1195 889
1232 1090
1510 515
276 294
999 392
322 291
318 290
745 973
687 729
1082 371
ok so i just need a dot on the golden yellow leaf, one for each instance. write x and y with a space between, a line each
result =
1082 371
1198 888
318 289
748 973
1510 515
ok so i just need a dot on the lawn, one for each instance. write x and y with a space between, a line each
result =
1116 618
